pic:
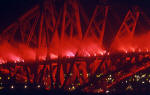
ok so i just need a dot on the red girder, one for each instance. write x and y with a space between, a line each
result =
127 28
47 28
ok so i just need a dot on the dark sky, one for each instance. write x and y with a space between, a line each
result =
10 10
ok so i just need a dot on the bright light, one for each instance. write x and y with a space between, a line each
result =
109 78
147 50
25 86
88 75
102 53
143 82
108 53
53 56
42 58
139 50
70 54
133 50
16 59
73 88
98 75
70 74
12 87
38 86
143 75
78 83
107 91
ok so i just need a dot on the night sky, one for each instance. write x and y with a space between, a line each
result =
10 10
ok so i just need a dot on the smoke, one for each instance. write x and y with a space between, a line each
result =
137 43
67 47
16 52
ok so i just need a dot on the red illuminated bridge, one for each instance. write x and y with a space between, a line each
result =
62 47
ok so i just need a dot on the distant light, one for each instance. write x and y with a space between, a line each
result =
53 56
146 79
109 78
133 50
25 86
12 87
42 58
70 54
73 88
143 75
100 90
88 75
107 91
143 82
70 74
129 87
38 86
102 53
25 80
8 78
108 53
98 75
0 78
22 60
1 88
147 50
139 50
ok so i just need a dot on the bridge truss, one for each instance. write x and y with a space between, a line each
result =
47 27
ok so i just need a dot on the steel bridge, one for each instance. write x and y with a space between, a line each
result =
63 48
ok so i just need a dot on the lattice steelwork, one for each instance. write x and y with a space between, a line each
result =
63 48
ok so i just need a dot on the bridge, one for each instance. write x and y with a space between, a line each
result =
62 47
